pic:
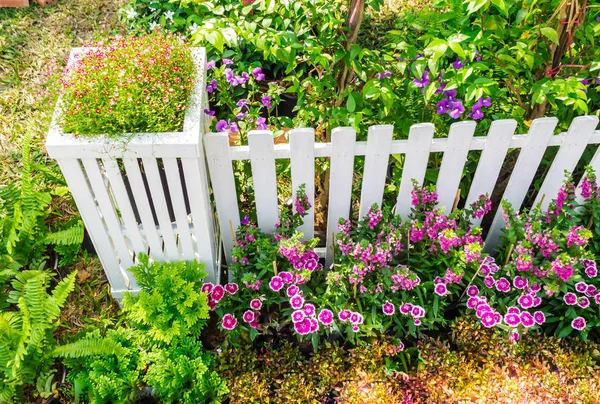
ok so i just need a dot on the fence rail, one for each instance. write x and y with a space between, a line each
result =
343 148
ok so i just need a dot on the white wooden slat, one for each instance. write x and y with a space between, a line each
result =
160 207
490 161
379 142
178 202
264 177
340 183
84 199
529 160
107 211
415 164
453 163
196 179
223 185
136 182
568 156
303 172
124 206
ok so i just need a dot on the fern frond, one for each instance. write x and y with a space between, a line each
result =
70 236
59 296
89 347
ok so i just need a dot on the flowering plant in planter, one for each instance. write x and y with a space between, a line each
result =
544 276
129 85
274 276
400 276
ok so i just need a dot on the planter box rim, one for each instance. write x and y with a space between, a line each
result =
62 145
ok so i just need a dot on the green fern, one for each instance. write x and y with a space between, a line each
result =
89 347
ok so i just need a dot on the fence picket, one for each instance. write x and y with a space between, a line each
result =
340 183
302 150
134 175
218 157
179 208
568 156
84 199
490 162
262 161
379 142
455 157
415 164
132 231
529 160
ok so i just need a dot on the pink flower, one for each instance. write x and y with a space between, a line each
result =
309 309
488 319
297 302
345 314
292 290
489 281
527 319
581 287
276 283
207 287
520 283
583 302
417 311
526 301
440 289
314 325
578 323
570 298
248 316
405 308
325 317
231 288
217 293
298 316
286 277
255 304
539 317
356 318
388 308
512 319
229 322
253 324
303 327
472 291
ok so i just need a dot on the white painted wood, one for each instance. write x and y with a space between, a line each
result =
123 205
262 161
177 200
340 183
568 156
453 162
302 158
379 142
415 164
203 229
84 199
223 185
490 161
529 159
142 203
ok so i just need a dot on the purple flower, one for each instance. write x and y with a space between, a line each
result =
261 123
207 287
590 291
276 283
388 308
527 319
489 281
472 291
257 72
457 64
292 290
356 318
266 101
303 327
242 103
248 316
245 221
209 112
309 309
441 289
298 316
221 126
229 322
227 61
423 81
512 319
210 64
578 323
212 86
384 75
241 115
231 288
476 114
456 109
217 293
570 298
442 106
581 287
520 283
583 302
344 315
233 127
503 285
598 18
255 304
526 301
513 309
488 319
325 317
296 301
539 317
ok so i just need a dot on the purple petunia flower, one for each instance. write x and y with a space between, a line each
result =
217 293
388 308
581 287
583 302
298 316
261 123
276 283
570 298
526 301
527 319
441 289
539 317
296 301
248 316
344 315
512 319
266 101
229 322
325 317
231 288
472 291
255 304
292 290
503 285
578 323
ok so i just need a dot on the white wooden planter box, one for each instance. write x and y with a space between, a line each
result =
99 170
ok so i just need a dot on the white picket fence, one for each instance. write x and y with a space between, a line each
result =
302 151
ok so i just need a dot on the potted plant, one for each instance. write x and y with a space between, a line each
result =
131 110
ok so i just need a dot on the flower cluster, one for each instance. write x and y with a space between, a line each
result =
450 105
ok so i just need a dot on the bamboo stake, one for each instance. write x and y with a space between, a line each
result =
456 199
510 250
233 233
275 267
474 276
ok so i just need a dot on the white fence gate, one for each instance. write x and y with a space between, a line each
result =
302 151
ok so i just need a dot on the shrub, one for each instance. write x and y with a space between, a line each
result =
129 85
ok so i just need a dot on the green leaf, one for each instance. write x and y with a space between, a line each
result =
351 103
501 6
550 33
437 48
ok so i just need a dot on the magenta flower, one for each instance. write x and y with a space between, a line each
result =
578 323
473 302
344 315
309 309
276 283
441 289
489 281
266 101
405 308
570 298
258 74
253 324
229 322
286 277
314 325
388 308
261 123
297 302
537 301
590 291
356 318
325 317
217 293
526 301
488 319
292 290
248 316
303 327
583 302
513 309
472 291
597 298
539 317
527 319
255 304
581 287
298 316
417 311
207 287
311 264
231 288
512 319
591 272
520 283
503 285
417 322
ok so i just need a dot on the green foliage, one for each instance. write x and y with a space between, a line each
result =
170 304
130 85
